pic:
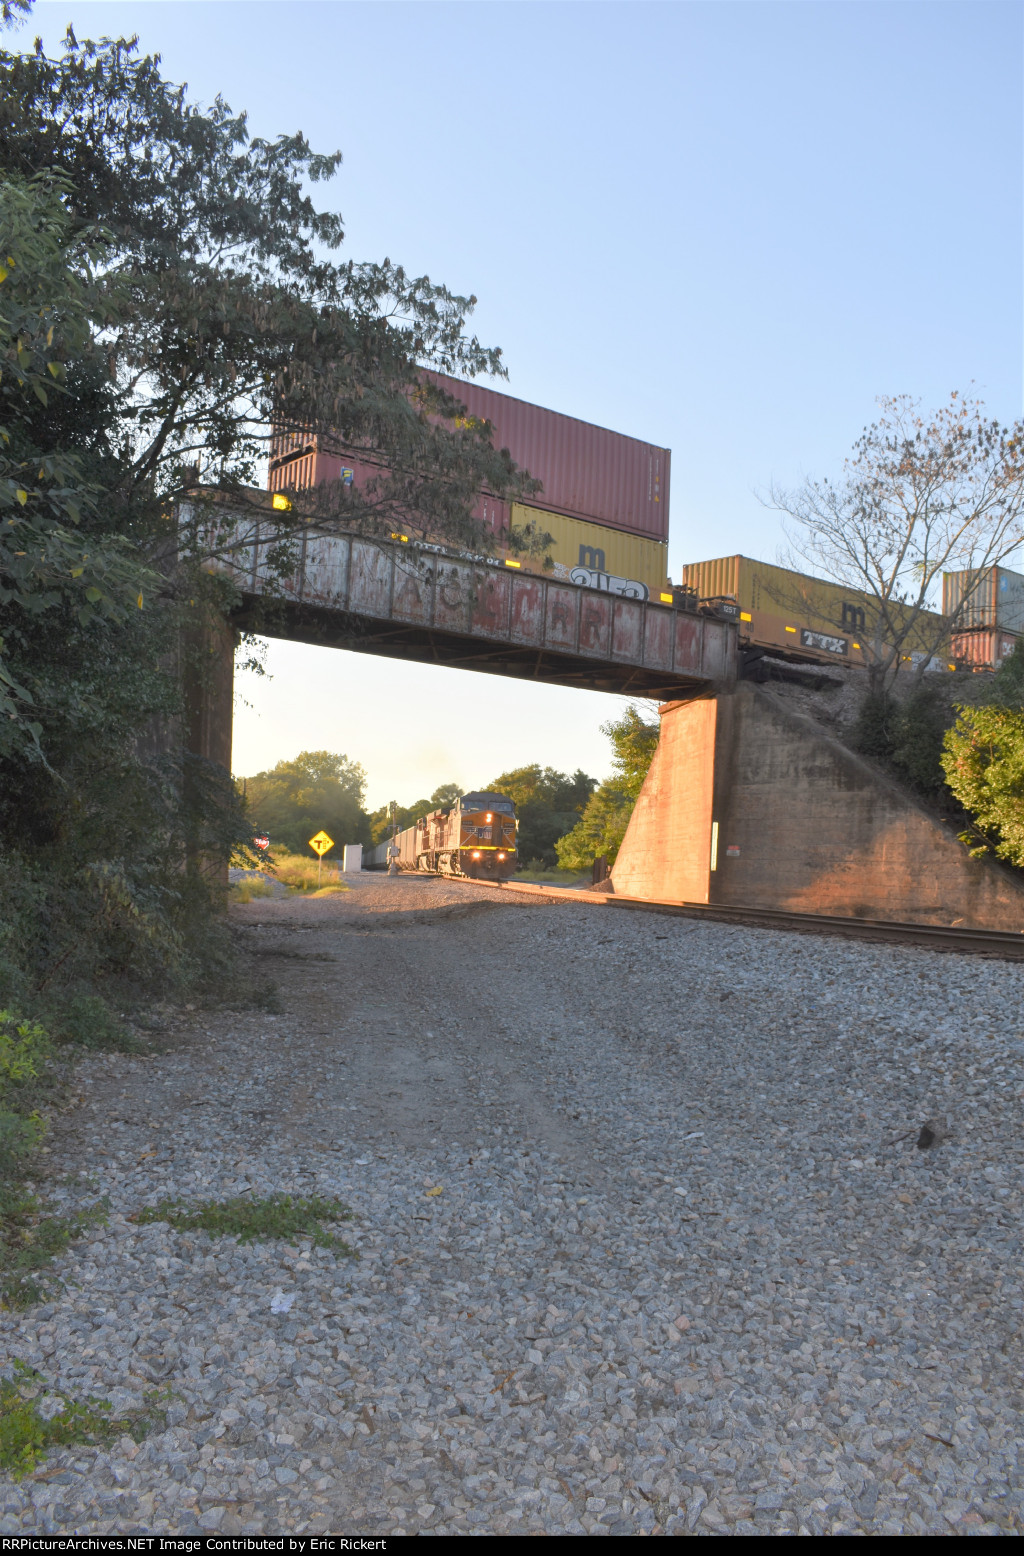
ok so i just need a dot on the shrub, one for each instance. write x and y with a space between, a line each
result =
24 1049
300 872
250 890
87 1021
984 766
905 736
919 729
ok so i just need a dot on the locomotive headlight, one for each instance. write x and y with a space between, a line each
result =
488 816
475 856
501 856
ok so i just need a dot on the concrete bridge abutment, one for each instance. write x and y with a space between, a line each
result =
208 682
750 804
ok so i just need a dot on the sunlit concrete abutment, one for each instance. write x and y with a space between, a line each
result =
750 804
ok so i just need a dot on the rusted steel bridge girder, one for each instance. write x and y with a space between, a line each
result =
425 603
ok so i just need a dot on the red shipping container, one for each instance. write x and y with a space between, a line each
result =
984 648
587 472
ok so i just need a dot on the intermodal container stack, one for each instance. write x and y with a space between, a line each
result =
990 601
604 501
793 616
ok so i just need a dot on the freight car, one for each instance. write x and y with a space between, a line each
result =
806 620
989 603
475 837
604 502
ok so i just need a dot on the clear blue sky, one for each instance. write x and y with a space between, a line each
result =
723 227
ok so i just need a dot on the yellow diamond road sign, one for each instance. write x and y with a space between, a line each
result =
321 842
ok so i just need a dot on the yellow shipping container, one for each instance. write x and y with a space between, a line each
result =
600 557
798 616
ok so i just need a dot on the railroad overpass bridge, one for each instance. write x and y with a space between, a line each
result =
747 803
432 605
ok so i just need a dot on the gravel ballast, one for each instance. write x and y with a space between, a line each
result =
688 1269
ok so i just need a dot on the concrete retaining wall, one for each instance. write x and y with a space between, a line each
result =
802 823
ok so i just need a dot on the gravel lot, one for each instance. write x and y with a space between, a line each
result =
681 1275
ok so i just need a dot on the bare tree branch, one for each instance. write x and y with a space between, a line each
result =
920 496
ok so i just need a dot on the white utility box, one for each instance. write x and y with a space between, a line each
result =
352 860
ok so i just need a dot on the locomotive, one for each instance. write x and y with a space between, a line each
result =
475 837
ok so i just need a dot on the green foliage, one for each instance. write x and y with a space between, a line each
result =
25 1054
87 1021
634 741
603 824
30 1239
24 1049
984 766
168 289
99 840
250 890
317 789
906 735
548 804
872 730
19 1137
1007 686
26 1433
225 308
302 872
52 564
443 797
105 900
279 1215
600 829
919 732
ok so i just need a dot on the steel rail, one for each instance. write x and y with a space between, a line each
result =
1004 945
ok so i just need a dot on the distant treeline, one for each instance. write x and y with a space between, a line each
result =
565 821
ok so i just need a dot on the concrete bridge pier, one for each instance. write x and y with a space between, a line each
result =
208 675
750 804
208 672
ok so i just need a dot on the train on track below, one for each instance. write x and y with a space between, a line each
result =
474 838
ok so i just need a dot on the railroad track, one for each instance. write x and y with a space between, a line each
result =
1004 945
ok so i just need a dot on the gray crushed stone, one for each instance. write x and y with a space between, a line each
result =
688 1271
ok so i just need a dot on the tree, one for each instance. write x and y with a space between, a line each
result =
984 766
603 823
316 789
598 832
920 495
174 289
56 565
99 848
382 821
548 804
222 314
634 740
983 761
